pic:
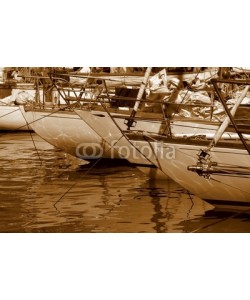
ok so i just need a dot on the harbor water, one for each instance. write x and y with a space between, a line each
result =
42 189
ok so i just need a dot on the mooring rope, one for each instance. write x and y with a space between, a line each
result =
91 167
220 221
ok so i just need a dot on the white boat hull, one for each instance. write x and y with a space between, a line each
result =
219 187
65 130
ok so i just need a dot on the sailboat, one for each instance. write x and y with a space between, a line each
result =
214 167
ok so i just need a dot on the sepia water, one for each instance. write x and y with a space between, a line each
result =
42 189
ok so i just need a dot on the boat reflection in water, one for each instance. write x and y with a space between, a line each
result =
109 198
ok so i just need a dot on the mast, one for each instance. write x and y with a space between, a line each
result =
227 120
130 121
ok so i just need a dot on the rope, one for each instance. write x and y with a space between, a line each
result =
10 130
178 106
220 221
227 185
122 132
34 143
75 183
9 112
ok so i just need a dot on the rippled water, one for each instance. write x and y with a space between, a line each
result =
43 189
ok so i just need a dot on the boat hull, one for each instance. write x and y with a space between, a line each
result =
65 130
11 119
174 160
106 129
110 127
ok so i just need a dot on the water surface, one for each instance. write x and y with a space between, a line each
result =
42 189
